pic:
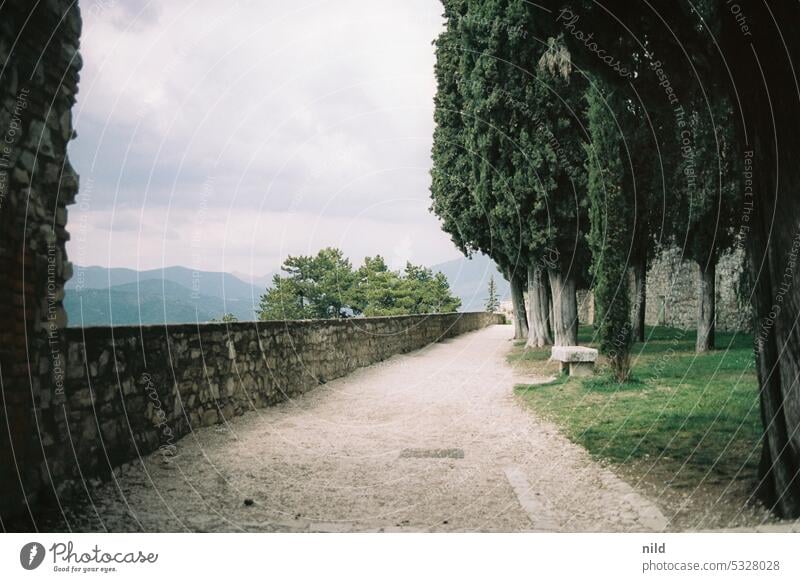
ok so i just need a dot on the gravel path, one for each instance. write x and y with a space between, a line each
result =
429 441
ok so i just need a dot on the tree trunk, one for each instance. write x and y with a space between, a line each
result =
706 305
565 308
539 334
770 139
518 304
639 300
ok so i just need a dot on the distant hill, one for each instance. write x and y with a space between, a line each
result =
261 282
212 283
150 301
469 279
100 296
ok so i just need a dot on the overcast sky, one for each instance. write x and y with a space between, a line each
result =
226 135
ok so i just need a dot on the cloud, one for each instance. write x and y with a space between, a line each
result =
247 242
316 109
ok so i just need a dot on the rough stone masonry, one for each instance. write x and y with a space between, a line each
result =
39 64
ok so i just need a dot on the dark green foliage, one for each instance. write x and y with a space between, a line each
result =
552 173
611 215
325 286
508 177
314 288
492 301
509 173
226 318
708 183
462 217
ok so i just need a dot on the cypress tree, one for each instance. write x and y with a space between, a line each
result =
610 235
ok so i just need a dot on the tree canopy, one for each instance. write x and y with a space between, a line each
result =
325 286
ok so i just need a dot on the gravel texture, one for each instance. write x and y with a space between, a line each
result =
380 450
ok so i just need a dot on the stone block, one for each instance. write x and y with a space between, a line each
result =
210 417
578 360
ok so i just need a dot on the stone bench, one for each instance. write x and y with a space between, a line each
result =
579 359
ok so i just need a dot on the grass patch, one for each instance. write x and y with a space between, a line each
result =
694 416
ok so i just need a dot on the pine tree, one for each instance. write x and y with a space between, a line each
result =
325 286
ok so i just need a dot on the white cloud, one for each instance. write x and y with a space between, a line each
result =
320 110
247 242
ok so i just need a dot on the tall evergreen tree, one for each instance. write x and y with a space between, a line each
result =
711 201
611 215
705 38
492 301
643 131
461 171
764 82
558 156
525 157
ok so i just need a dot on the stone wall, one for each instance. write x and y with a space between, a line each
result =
39 64
672 293
133 390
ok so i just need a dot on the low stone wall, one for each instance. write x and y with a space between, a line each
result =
130 390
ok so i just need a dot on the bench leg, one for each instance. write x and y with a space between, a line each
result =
581 369
564 367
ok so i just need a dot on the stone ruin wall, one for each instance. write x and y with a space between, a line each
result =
672 294
39 65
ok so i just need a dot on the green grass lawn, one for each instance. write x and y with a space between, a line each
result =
695 416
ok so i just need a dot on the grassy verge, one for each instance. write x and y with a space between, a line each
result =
686 426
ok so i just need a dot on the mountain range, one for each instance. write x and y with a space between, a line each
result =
120 296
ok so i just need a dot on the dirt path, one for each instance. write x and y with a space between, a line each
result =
430 441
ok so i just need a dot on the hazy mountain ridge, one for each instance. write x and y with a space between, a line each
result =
211 283
98 295
150 301
469 279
